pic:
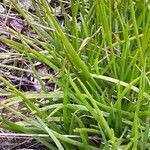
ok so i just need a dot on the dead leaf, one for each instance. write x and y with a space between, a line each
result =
2 10
17 24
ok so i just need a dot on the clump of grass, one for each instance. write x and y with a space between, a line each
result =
101 56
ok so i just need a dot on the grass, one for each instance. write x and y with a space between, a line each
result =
101 56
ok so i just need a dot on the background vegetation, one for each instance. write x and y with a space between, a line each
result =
97 60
